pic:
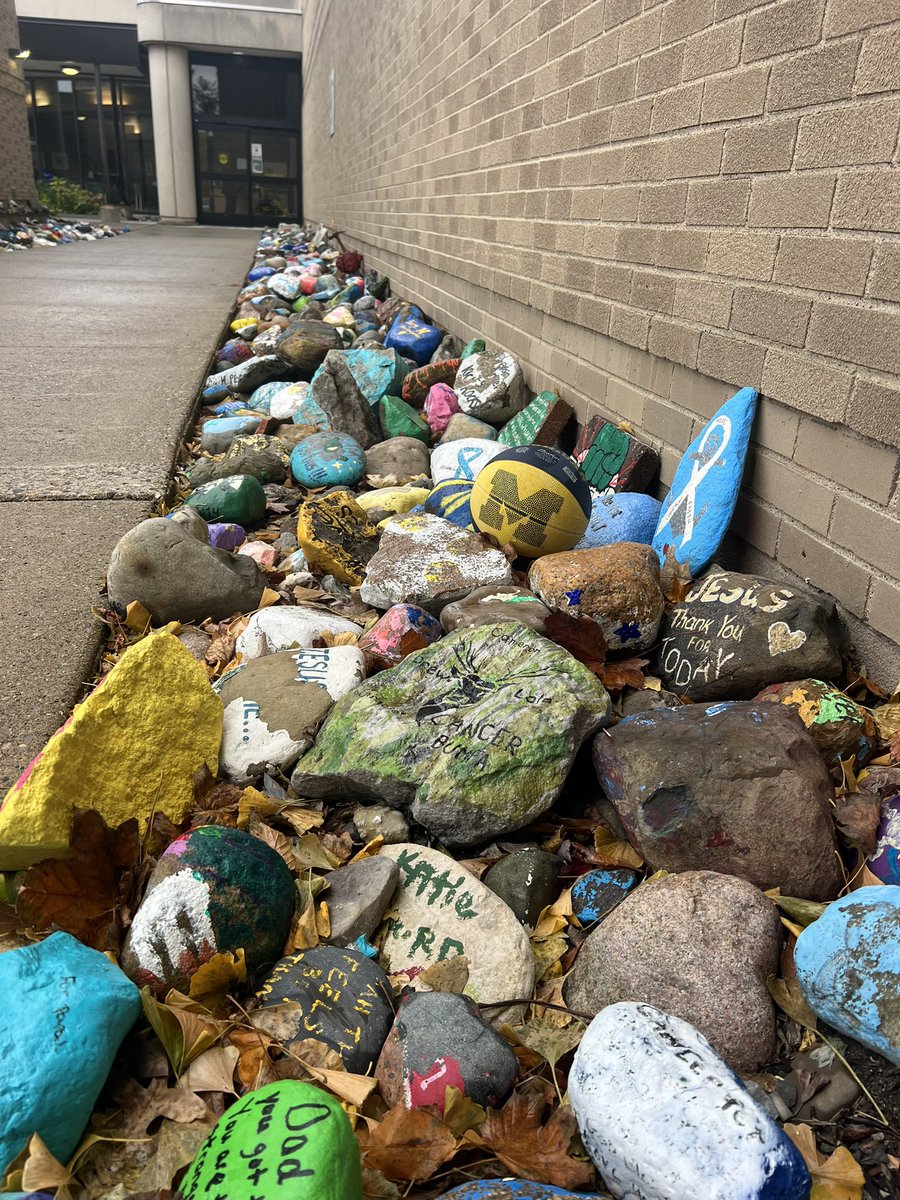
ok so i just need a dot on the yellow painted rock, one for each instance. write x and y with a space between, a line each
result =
336 536
391 501
132 745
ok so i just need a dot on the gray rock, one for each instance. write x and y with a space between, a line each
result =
399 458
527 881
487 605
699 946
265 458
334 389
490 386
638 700
372 820
190 520
178 578
304 344
358 896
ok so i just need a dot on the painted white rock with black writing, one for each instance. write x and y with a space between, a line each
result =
490 386
734 634
440 910
663 1118
280 628
462 459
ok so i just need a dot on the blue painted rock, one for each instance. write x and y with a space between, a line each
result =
261 398
401 630
218 434
308 411
413 338
378 372
490 386
259 273
848 965
884 862
509 1189
620 517
440 1040
598 892
66 1008
325 459
242 378
452 500
462 459
613 460
286 400
213 891
226 535
285 286
661 1115
233 408
238 498
698 509
284 1141
234 351
342 998
540 423
461 425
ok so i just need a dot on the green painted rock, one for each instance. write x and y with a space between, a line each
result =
285 1141
475 735
475 346
398 419
540 423
239 498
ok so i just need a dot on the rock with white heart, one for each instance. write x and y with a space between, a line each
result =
733 787
286 628
734 635
661 1115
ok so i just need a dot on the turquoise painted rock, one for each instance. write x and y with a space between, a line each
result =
308 411
214 890
475 346
620 517
285 1141
325 459
218 434
848 965
452 500
398 419
237 498
66 1008
413 338
698 509
378 372
597 893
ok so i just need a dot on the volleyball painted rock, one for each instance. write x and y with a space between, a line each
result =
452 501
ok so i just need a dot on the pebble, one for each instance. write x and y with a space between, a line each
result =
281 628
737 787
597 893
662 1116
214 890
526 880
489 385
285 1141
239 498
337 537
440 1040
304 345
66 1010
839 726
326 459
403 629
620 517
399 459
357 897
462 458
612 459
698 945
337 996
440 405
377 820
219 432
492 604
540 423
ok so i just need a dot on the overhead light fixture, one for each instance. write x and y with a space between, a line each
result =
82 118
70 68
15 53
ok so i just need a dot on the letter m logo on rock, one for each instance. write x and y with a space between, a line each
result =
527 516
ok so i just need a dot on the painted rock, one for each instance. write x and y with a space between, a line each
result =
509 1189
218 433
399 419
696 944
540 423
616 586
413 338
620 517
612 459
452 500
490 386
336 536
282 628
309 412
440 911
340 316
461 425
226 535
491 604
839 726
475 346
462 459
275 704
234 351
848 965
598 892
338 996
440 1040
398 460
884 862
335 390
238 498
759 807
733 635
130 748
698 509
265 458
425 560
213 891
279 400
417 383
474 735
304 344
285 1141
661 1115
401 630
390 502
440 405
285 286
326 459
243 378
259 273
526 880
66 1008
261 552
378 372
357 897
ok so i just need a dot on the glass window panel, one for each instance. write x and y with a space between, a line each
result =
274 200
222 151
224 198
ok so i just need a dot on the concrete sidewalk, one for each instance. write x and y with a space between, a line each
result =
105 345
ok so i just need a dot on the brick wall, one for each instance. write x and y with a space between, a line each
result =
652 204
16 173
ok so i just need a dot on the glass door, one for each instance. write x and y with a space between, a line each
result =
273 175
223 174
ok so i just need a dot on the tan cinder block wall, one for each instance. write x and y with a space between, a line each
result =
652 204
16 173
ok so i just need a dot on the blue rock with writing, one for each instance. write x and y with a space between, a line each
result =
698 509
598 892
462 459
620 517
245 377
661 1115
413 338
259 273
325 459
66 1009
378 371
218 434
848 965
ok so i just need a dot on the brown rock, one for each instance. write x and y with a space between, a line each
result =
304 345
488 605
399 458
292 435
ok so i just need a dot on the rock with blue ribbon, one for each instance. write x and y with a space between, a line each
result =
462 459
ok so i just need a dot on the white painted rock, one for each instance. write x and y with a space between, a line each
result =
280 628
440 910
489 385
663 1118
288 400
462 459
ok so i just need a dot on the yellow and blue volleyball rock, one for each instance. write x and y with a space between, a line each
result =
532 498
452 500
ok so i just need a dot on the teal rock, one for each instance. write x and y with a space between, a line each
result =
378 372
325 459
285 1141
309 412
475 346
848 965
597 893
218 434
66 1009
335 390
239 498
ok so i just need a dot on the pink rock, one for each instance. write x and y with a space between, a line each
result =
261 552
403 629
440 405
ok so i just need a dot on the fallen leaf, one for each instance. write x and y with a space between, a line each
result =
223 974
895 747
547 953
451 975
279 842
40 1169
213 1070
838 1177
184 1034
408 1145
789 997
613 851
548 1040
309 852
253 802
12 931
887 720
460 1113
254 1066
141 1106
304 929
581 636
626 673
301 820
531 1150
803 912
370 849
857 816
675 577
137 617
376 1187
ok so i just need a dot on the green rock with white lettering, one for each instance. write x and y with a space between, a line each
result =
238 498
285 1141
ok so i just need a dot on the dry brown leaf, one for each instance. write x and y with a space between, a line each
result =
339 639
12 930
212 1071
376 1187
532 1150
141 1106
857 816
279 842
254 803
305 929
613 852
887 720
185 1030
301 820
581 636
40 1169
547 953
839 1177
451 975
309 851
408 1145
460 1113
628 672
369 850
137 618
254 1067
789 997
222 975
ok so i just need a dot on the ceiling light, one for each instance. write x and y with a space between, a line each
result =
14 53
82 118
70 69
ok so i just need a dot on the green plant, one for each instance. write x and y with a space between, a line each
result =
63 196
